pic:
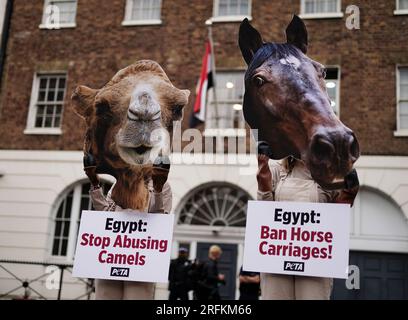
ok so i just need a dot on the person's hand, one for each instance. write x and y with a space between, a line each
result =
161 169
351 180
90 168
351 187
221 277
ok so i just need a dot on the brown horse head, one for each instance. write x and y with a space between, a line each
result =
130 119
286 100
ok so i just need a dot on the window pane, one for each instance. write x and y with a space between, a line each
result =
66 229
67 10
403 122
57 122
403 87
61 84
68 206
55 247
58 228
403 75
223 8
145 9
64 247
43 83
320 6
403 5
233 7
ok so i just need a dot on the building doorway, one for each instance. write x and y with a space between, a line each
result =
383 276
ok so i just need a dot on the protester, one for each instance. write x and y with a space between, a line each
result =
292 181
210 279
179 282
249 285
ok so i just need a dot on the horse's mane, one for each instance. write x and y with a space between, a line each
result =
139 66
280 50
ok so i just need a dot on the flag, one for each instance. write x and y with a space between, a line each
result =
205 83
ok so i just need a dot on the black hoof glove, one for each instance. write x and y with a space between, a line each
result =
265 149
90 168
161 169
351 180
89 161
162 162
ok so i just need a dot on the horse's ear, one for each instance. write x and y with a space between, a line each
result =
296 34
83 99
249 40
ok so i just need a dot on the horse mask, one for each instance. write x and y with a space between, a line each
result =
286 100
129 124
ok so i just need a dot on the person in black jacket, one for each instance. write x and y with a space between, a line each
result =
179 282
211 278
249 285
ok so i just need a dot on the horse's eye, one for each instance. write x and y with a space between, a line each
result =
259 82
324 73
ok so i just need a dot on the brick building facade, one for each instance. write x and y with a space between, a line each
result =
41 167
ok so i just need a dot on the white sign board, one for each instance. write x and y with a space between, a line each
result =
297 238
127 246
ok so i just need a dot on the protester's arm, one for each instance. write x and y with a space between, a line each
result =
264 179
99 201
161 202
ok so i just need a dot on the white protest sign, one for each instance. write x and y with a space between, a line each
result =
297 238
124 246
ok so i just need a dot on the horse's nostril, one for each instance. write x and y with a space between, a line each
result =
322 148
354 149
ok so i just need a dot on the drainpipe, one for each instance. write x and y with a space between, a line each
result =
5 36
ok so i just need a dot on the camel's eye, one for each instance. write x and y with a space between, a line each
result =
102 108
178 110
259 81
324 73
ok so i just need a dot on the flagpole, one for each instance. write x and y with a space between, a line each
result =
210 38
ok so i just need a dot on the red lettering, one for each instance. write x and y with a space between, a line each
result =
263 243
264 232
101 260
84 241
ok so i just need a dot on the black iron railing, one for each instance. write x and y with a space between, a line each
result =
26 284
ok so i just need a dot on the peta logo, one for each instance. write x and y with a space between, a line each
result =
294 266
119 272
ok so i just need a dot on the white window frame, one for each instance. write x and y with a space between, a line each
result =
32 111
324 15
127 21
338 86
399 11
232 18
65 25
399 132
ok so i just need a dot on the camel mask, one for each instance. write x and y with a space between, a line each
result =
286 100
130 121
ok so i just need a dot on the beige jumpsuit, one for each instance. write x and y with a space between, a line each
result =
296 185
128 290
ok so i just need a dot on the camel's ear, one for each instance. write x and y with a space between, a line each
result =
296 34
83 99
249 40
186 94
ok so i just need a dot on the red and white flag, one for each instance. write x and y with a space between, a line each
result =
206 82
